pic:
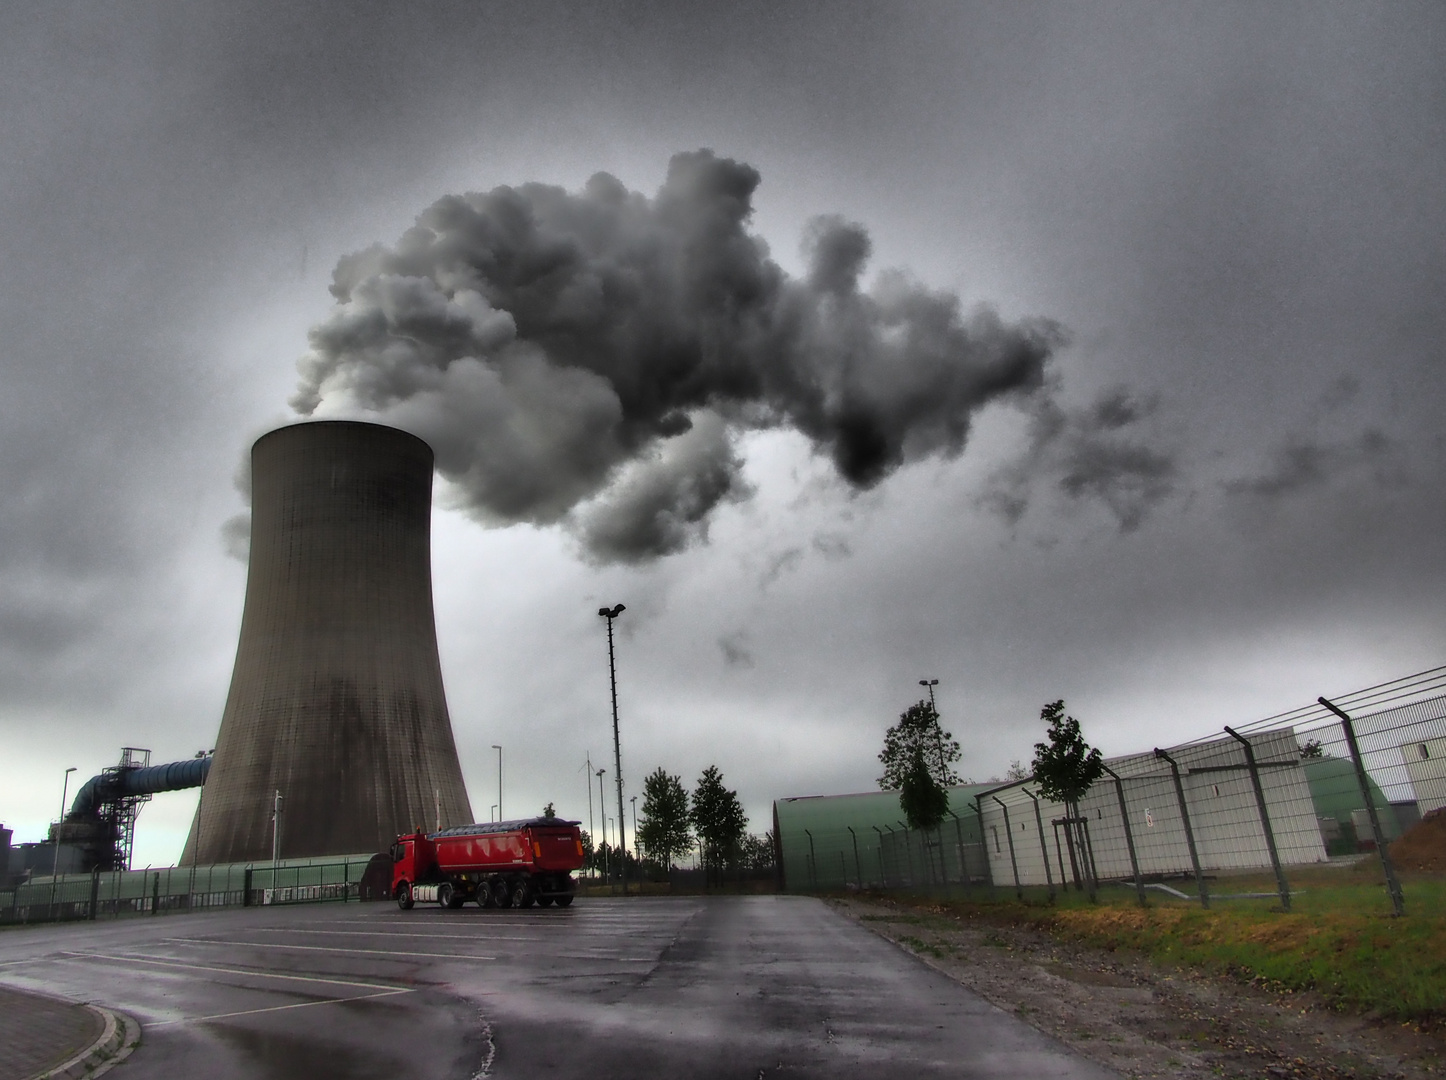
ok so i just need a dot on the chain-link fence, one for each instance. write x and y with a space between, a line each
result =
111 894
1345 779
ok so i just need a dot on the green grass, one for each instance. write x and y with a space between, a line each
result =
1339 939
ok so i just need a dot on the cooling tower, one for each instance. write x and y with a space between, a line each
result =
336 700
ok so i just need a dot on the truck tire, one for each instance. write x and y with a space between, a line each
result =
545 901
501 893
404 896
522 894
444 895
484 894
564 901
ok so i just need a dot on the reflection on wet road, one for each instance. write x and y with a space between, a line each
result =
686 987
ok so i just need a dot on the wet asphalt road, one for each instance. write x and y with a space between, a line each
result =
681 987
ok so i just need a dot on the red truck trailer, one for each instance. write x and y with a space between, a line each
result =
495 864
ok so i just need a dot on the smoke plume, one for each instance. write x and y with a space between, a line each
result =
590 358
1097 453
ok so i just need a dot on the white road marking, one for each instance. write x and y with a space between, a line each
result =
483 938
408 954
387 933
223 970
279 1008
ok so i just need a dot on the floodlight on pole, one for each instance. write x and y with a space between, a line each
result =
610 614
930 684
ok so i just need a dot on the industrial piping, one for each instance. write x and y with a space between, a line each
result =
106 786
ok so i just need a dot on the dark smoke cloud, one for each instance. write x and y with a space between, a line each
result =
590 358
1098 452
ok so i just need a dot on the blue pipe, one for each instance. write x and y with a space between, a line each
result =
173 777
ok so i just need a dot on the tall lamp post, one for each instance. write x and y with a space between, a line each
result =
499 780
930 684
634 800
610 614
603 821
55 855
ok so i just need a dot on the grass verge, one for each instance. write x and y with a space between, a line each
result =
1339 941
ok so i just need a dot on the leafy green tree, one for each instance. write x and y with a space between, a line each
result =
666 829
923 801
918 756
1066 766
549 811
756 852
718 817
918 734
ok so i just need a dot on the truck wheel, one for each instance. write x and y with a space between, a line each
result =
501 893
484 894
564 901
456 899
545 901
522 895
444 895
404 896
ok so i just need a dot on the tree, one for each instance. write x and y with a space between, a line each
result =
917 756
1066 766
924 802
549 811
665 830
1017 771
756 852
718 817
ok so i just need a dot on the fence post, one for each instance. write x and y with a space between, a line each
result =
1059 854
1280 882
908 855
858 866
1189 832
984 846
156 894
812 863
883 871
963 863
246 888
1129 835
1043 847
1087 853
1393 884
94 892
1071 842
1013 863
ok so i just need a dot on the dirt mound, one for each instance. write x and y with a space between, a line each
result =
1422 847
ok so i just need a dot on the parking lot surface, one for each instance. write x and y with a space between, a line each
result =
609 988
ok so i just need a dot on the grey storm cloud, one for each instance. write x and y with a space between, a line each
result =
590 358
1301 464
1099 452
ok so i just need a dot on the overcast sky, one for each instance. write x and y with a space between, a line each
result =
1215 493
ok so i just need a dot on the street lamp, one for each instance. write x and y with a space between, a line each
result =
610 614
603 821
931 683
499 780
55 856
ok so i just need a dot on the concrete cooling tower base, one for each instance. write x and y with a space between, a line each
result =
336 700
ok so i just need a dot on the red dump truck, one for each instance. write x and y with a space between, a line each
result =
496 864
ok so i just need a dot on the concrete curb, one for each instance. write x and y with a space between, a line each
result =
120 1036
